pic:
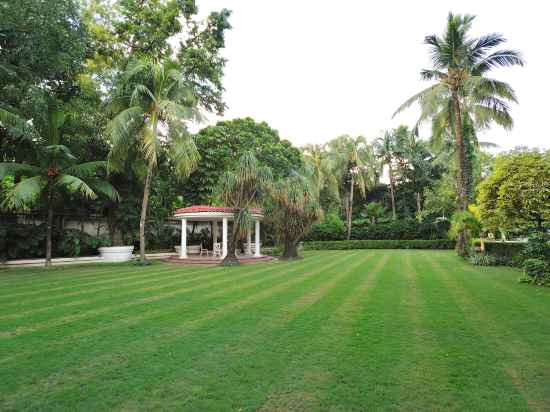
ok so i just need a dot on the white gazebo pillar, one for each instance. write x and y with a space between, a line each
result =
257 239
249 241
183 245
224 237
215 231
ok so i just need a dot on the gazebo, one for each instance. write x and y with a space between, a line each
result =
217 215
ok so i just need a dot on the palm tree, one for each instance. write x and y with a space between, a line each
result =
49 170
242 189
319 165
354 163
296 209
152 105
460 66
386 148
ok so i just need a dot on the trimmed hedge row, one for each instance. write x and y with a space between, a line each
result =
379 244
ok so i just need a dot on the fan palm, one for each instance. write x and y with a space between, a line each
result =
153 103
460 67
49 170
242 189
353 162
296 209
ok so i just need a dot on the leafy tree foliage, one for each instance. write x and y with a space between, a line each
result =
221 146
460 67
242 188
296 208
517 193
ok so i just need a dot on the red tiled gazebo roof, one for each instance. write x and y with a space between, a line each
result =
211 209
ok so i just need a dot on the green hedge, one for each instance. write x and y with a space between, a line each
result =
503 250
379 244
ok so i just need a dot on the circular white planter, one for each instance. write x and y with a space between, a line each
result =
116 253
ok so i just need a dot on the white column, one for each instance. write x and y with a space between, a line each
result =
249 241
183 246
257 239
215 232
224 237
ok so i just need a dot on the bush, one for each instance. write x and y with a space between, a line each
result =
332 228
482 259
536 271
537 247
380 244
505 253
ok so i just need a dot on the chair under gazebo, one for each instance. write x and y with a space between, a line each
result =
216 216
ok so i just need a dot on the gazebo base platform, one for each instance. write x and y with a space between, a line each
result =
213 261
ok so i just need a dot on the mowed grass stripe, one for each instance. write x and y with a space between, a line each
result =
70 275
108 362
479 381
198 276
307 376
145 296
525 356
427 385
152 315
263 334
365 374
118 278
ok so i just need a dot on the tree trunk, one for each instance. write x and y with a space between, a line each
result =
418 203
290 251
143 217
462 241
49 229
350 206
392 192
231 258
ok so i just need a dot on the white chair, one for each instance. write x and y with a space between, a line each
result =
204 250
217 250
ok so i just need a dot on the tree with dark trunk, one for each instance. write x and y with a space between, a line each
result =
154 101
460 67
242 189
296 209
49 169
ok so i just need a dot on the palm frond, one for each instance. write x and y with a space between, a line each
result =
24 194
17 169
87 169
74 184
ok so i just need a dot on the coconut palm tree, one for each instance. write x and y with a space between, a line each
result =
386 149
152 105
460 67
296 209
354 165
320 165
242 189
49 170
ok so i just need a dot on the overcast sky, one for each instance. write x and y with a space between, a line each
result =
316 69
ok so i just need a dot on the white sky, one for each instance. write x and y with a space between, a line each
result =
315 70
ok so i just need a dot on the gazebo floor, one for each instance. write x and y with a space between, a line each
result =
213 261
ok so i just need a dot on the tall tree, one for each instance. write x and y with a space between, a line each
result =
320 165
354 164
296 209
460 66
242 188
222 145
152 106
386 148
49 169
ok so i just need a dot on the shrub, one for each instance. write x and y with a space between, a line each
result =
332 228
536 271
537 247
505 253
379 244
482 259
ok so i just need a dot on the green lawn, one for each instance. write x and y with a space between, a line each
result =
357 330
